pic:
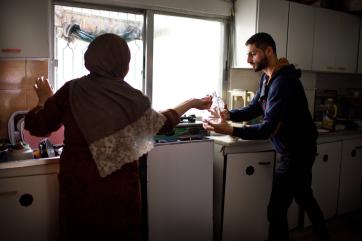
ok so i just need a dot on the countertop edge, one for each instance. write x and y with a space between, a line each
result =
42 165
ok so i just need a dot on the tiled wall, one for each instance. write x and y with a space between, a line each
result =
17 78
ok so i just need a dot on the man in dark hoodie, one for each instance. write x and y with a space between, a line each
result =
281 101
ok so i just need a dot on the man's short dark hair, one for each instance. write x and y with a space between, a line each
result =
262 41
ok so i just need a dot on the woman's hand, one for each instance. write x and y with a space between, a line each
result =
203 103
43 90
218 125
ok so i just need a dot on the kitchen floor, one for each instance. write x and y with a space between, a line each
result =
344 228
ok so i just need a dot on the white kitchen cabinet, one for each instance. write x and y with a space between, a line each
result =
301 35
325 179
350 196
180 191
252 16
29 208
248 184
347 51
335 41
325 40
24 29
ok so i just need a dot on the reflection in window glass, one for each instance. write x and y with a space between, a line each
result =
71 46
187 60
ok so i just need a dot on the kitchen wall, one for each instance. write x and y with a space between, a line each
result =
339 82
247 79
17 78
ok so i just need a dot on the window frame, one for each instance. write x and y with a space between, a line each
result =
147 34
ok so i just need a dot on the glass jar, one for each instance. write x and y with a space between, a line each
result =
329 118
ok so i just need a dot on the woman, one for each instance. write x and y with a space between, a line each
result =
108 126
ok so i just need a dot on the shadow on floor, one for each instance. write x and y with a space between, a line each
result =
342 228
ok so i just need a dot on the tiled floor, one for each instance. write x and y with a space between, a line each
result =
343 228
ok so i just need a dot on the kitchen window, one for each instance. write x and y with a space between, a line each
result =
75 28
184 59
187 60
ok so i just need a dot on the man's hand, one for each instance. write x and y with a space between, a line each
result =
43 90
223 114
218 125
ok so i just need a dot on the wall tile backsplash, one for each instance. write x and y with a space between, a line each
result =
17 78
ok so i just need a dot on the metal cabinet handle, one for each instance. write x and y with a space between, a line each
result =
8 193
264 163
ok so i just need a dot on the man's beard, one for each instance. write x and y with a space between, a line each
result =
261 65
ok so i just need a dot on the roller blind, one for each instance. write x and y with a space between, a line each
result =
215 8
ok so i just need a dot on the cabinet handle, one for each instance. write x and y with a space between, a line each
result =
330 67
26 200
11 50
264 163
353 153
342 68
325 158
249 170
8 193
358 147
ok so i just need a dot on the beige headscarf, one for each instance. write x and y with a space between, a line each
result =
116 120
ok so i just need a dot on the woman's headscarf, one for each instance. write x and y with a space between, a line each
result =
116 120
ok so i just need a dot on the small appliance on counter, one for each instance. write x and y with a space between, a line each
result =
32 146
240 98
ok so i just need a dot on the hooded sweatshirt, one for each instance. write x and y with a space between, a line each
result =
287 121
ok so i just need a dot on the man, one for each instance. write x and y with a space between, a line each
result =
281 101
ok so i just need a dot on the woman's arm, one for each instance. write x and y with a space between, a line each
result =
173 115
200 104
46 117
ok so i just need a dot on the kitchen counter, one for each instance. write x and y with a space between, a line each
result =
29 167
232 143
51 164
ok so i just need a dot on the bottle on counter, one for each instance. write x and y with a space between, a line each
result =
329 118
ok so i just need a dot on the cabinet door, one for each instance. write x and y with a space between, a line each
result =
350 196
325 180
29 208
347 51
301 35
273 19
24 28
179 189
253 16
248 185
325 39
